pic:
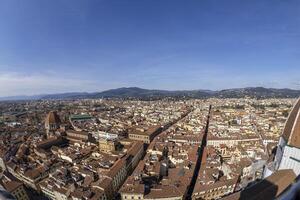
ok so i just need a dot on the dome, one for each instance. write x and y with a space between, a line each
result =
291 131
53 118
52 121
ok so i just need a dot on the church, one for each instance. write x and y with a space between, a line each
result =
288 149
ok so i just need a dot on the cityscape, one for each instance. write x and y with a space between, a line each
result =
134 149
149 100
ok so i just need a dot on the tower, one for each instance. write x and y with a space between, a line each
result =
165 153
164 164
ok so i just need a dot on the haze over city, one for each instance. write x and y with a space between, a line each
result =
66 46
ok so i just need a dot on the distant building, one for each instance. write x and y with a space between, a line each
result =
80 117
215 190
30 177
2 163
107 145
4 195
106 135
15 188
145 135
79 136
52 141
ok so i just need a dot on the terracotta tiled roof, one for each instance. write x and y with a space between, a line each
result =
52 118
291 132
163 192
116 168
268 188
133 189
135 148
11 186
230 182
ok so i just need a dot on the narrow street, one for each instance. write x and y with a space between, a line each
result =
200 153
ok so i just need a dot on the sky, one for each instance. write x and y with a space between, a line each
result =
55 46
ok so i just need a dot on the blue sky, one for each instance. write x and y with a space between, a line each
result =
54 46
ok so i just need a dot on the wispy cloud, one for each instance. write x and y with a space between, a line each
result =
13 83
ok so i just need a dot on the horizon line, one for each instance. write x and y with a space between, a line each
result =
130 87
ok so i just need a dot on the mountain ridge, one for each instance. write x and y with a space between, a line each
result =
141 93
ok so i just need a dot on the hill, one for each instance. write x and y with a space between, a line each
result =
140 93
